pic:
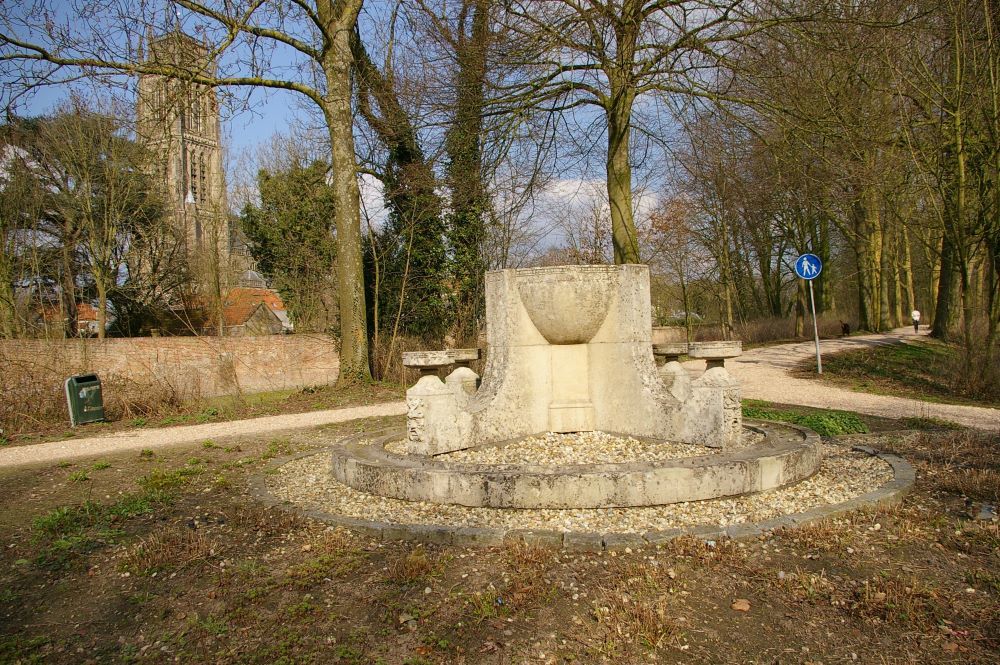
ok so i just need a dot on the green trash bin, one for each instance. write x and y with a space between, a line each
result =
84 398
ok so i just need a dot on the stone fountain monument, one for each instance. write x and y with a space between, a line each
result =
571 350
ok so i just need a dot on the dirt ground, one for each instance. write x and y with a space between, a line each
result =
163 557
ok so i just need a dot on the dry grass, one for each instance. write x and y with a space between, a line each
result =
764 331
411 569
520 555
32 396
263 521
626 619
895 600
710 553
965 462
824 536
170 549
977 484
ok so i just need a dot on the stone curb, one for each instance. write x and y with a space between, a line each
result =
890 494
787 455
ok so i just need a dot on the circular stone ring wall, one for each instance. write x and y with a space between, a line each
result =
787 455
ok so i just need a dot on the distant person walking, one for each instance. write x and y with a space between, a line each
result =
915 315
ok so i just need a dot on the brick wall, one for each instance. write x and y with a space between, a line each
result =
190 366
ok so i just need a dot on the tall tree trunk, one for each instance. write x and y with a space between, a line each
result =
884 272
866 287
619 177
8 312
968 315
911 302
821 245
946 308
469 201
339 20
68 299
102 305
800 308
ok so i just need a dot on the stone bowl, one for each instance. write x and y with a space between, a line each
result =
567 304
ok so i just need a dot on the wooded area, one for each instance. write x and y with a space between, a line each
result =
729 136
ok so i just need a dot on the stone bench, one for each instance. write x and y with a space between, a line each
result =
715 353
669 352
429 362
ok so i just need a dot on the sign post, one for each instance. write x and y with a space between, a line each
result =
808 267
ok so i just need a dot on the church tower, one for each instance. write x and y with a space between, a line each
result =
179 120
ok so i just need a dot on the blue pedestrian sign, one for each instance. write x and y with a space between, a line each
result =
808 266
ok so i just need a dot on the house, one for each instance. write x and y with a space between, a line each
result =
50 318
86 320
255 311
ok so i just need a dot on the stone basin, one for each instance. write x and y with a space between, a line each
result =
567 306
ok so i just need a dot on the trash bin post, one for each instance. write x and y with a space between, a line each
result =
84 399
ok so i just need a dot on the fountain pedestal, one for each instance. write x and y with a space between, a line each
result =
570 349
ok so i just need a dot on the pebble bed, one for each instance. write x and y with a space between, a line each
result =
555 449
843 475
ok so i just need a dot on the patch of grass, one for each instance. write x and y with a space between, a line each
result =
628 619
21 649
331 558
894 600
930 423
276 448
486 604
78 477
146 453
169 549
927 370
66 532
100 466
207 415
824 423
211 624
412 569
138 422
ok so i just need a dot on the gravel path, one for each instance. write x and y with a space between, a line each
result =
177 436
764 374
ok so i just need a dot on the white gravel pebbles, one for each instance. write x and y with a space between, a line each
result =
844 474
555 449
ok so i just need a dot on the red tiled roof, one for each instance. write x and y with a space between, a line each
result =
84 312
245 295
241 302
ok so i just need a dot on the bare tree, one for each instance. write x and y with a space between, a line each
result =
607 55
